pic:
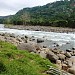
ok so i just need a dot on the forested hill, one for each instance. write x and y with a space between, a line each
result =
59 13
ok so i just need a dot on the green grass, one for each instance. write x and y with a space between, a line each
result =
17 62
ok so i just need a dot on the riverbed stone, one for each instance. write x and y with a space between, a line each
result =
58 63
12 35
67 54
69 63
61 56
68 50
64 67
51 56
6 34
19 39
37 46
73 48
56 51
72 70
26 46
39 40
2 38
42 54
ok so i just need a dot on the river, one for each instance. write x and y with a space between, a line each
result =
49 37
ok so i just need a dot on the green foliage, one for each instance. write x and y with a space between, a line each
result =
17 62
2 67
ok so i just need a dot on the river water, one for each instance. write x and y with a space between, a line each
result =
49 37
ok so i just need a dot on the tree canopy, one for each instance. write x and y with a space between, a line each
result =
59 13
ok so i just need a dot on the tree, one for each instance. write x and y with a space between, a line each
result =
25 17
7 21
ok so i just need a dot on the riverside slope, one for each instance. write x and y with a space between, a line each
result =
64 59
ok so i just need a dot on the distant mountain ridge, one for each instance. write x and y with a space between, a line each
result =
59 13
1 17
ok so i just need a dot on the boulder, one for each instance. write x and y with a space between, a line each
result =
45 50
37 46
62 52
39 40
2 38
73 48
42 54
44 46
58 63
24 39
68 50
12 35
19 39
30 46
64 67
51 56
73 52
26 46
2 34
71 61
56 51
6 34
72 70
36 30
57 45
67 54
61 56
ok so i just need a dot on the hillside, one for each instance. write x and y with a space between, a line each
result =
59 13
17 62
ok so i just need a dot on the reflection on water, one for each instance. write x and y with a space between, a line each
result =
50 37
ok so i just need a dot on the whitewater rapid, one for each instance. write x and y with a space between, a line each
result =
60 38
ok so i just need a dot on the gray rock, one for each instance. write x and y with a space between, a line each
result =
51 56
69 63
56 51
26 37
44 46
73 48
61 56
68 50
26 46
30 46
19 39
72 70
39 40
64 67
2 34
2 38
36 30
42 54
12 35
67 54
6 34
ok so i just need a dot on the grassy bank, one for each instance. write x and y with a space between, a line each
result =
17 62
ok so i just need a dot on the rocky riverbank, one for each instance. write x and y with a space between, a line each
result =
65 60
41 28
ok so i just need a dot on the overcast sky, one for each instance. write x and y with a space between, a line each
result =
9 7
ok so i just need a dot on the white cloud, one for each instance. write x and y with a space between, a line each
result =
8 7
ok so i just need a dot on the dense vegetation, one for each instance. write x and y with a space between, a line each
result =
17 62
59 14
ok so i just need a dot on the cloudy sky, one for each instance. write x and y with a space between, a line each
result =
9 7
